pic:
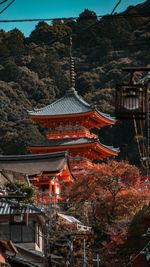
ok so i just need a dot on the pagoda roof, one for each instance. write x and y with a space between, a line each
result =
74 142
70 103
34 164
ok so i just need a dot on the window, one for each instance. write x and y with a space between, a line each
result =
44 187
4 231
18 233
28 232
38 235
15 233
53 188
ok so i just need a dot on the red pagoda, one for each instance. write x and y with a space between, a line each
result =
69 121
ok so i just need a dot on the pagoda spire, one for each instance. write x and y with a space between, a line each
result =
71 88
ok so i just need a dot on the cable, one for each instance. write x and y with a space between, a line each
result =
116 7
131 261
5 8
4 1
144 14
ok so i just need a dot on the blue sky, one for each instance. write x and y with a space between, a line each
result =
23 9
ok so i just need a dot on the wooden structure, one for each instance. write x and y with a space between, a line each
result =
69 121
45 171
131 98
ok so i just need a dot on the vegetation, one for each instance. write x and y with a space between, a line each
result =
34 71
110 197
23 189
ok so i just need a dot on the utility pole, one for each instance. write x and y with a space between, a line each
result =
84 255
97 260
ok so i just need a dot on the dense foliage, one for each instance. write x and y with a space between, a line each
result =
34 71
110 197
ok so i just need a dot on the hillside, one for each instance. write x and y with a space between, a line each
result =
34 71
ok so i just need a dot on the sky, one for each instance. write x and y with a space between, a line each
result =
25 9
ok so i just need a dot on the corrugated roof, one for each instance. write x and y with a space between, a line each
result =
9 207
68 218
34 164
70 103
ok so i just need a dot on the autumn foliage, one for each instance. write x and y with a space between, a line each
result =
108 195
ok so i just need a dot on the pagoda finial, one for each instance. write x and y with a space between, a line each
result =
72 72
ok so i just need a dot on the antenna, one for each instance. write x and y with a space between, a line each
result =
72 72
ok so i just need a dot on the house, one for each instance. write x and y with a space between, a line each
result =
24 225
45 171
70 222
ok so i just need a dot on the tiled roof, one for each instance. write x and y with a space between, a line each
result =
73 141
70 103
8 207
34 164
66 141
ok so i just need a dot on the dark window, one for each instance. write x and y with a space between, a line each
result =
4 231
44 187
28 233
53 188
15 233
18 232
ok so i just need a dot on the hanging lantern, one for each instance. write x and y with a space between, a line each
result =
131 100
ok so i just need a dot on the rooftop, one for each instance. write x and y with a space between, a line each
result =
8 207
70 103
34 164
73 141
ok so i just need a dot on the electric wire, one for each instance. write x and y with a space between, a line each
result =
136 132
117 16
5 8
142 250
116 7
4 1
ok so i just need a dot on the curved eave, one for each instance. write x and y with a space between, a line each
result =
103 120
98 119
108 151
106 117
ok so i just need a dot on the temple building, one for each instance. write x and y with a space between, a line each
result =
47 172
69 121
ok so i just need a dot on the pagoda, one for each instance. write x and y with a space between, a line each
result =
69 121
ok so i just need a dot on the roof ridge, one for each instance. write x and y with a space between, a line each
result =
33 156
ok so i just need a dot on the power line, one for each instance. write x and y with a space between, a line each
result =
116 7
5 8
144 14
141 251
4 1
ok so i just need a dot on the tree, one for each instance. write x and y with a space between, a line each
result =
17 188
112 194
45 33
87 17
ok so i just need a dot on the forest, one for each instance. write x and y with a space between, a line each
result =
34 71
